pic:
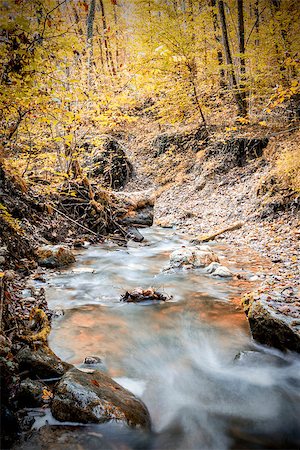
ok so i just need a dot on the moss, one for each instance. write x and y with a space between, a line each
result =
9 221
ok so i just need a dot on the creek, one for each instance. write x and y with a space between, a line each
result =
177 356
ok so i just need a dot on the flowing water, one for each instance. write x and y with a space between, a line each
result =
177 356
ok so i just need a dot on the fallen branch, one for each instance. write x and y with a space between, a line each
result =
74 221
211 237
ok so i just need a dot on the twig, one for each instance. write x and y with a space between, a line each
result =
74 221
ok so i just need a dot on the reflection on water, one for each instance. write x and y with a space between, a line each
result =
177 356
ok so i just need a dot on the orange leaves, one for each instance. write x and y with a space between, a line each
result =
47 395
84 5
95 383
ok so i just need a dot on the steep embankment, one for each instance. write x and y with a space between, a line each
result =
205 182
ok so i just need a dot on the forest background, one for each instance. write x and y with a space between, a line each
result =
74 68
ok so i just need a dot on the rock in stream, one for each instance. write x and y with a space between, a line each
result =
96 398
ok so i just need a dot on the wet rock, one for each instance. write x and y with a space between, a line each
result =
41 363
92 360
96 398
192 257
135 235
55 259
85 438
271 321
138 206
139 218
142 295
30 394
218 270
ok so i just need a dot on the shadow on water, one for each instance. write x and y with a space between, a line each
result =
178 356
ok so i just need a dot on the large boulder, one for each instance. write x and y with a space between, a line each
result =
273 323
41 362
192 257
96 398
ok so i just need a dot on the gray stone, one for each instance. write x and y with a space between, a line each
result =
218 270
55 259
96 398
269 325
192 257
41 363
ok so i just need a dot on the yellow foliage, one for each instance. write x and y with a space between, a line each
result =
288 167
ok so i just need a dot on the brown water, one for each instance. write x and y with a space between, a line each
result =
178 356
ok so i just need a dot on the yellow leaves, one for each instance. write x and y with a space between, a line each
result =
294 258
47 395
262 123
243 120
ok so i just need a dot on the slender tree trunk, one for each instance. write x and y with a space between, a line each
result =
218 38
237 95
116 34
256 15
241 36
109 58
90 35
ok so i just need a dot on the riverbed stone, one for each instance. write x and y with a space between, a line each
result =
273 322
55 259
192 257
96 398
216 269
41 362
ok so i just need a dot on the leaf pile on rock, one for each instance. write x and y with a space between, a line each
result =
141 295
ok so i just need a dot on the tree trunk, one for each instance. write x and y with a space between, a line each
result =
109 58
212 4
237 95
256 14
116 34
241 36
89 40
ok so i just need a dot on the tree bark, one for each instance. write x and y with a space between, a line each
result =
212 4
235 87
90 29
241 36
109 58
